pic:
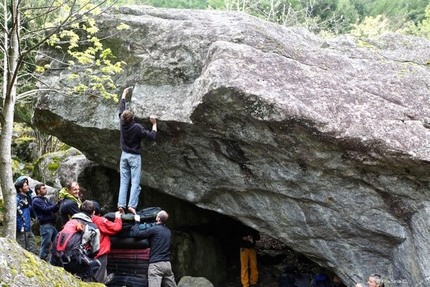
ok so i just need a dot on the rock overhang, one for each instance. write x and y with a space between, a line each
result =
257 119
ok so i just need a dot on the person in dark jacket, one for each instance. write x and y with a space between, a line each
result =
159 270
45 212
248 258
24 209
70 201
131 134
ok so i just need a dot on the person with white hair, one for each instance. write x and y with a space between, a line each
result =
375 280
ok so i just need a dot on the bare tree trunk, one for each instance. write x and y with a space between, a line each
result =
4 85
14 59
6 43
7 187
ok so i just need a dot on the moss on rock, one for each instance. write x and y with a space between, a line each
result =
19 267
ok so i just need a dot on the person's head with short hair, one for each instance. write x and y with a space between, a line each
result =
375 280
88 207
127 116
23 178
96 207
41 189
21 185
82 192
73 188
162 216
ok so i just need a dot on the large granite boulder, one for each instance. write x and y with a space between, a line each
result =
320 143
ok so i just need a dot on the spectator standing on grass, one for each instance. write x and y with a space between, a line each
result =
45 212
131 134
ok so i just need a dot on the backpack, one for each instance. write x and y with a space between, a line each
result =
147 215
70 249
321 280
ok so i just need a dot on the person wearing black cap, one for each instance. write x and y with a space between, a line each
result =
107 228
24 235
45 212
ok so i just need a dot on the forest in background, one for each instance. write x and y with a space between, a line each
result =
323 17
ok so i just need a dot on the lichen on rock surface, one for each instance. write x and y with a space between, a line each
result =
19 268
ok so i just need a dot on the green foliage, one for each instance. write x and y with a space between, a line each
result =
409 9
349 14
23 112
319 16
22 150
183 4
85 50
215 4
374 26
424 26
371 27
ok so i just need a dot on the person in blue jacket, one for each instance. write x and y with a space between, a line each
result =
131 134
45 212
24 235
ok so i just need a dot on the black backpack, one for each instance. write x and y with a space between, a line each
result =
321 280
70 252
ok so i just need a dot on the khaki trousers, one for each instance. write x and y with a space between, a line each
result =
160 274
248 266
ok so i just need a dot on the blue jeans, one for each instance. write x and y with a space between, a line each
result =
129 168
48 232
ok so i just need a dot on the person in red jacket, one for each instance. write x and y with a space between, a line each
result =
107 228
